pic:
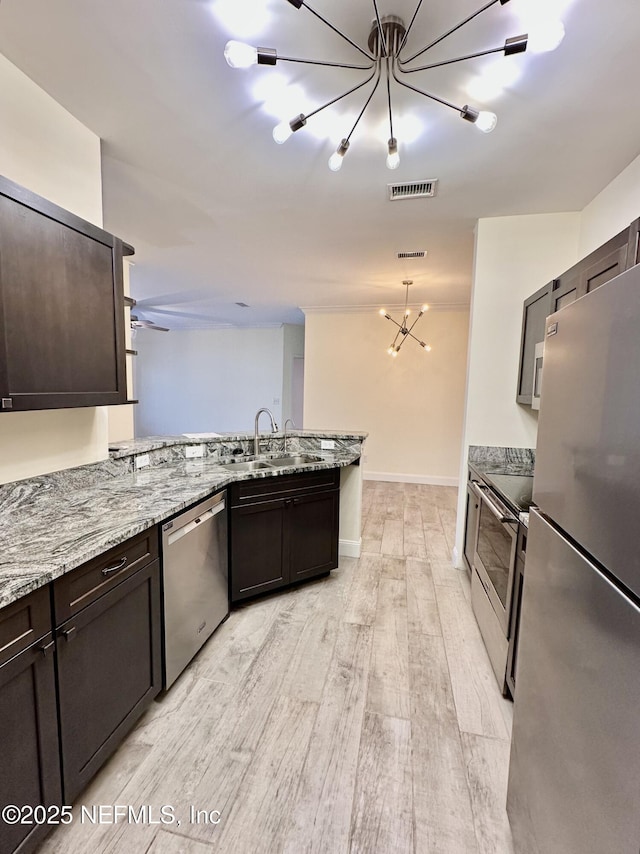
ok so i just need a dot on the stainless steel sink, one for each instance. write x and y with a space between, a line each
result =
251 465
299 460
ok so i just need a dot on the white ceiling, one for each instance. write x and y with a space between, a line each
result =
220 214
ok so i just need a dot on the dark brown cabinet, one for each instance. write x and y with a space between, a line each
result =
595 270
61 307
104 654
29 745
108 650
282 530
602 265
534 315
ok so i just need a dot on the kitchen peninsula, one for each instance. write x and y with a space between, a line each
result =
83 641
56 522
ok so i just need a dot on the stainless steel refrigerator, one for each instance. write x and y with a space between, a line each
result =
574 776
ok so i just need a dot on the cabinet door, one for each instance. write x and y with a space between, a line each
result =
633 245
605 263
109 670
61 307
313 535
535 311
258 546
28 740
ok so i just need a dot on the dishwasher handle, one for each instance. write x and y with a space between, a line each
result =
174 536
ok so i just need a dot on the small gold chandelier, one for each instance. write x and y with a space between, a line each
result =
404 330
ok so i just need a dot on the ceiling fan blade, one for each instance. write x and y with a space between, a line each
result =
176 298
137 323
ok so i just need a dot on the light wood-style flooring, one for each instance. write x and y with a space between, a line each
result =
357 713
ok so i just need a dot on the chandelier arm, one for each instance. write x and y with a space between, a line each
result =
366 104
336 30
415 339
408 30
451 31
383 38
344 95
323 62
393 343
451 61
414 323
426 94
399 325
389 101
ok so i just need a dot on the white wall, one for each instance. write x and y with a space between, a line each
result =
44 148
514 256
611 210
293 347
411 406
208 380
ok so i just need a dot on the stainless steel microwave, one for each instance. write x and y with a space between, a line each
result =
537 376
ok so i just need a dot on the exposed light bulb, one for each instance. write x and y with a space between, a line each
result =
407 312
393 158
335 161
424 308
428 348
240 55
545 36
394 353
382 312
391 351
282 132
486 121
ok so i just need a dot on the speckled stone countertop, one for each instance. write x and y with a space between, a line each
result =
488 459
53 523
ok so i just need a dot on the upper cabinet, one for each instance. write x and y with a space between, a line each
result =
534 316
602 265
61 307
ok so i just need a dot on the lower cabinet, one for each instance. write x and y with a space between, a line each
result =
104 653
29 748
282 530
109 670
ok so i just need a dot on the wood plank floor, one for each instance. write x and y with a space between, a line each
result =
357 713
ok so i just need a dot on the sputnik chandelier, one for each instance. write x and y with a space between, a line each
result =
384 59
404 330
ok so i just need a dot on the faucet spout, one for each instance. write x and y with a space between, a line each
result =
256 433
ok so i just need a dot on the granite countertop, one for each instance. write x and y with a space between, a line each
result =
486 459
53 523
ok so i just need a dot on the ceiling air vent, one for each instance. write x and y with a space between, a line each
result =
413 190
242 304
420 253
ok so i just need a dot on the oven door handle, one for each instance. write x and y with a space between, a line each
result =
501 513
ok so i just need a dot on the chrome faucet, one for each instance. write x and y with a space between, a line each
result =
288 421
256 434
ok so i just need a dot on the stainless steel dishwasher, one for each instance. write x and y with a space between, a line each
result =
195 581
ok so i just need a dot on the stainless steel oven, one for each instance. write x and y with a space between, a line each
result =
493 572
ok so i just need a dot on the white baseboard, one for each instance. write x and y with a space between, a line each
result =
410 478
349 548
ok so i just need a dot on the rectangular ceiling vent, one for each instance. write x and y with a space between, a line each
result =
242 304
413 190
421 253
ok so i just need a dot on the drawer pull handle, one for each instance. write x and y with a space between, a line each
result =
44 649
69 634
120 565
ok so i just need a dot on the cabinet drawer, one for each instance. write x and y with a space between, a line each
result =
263 489
24 622
85 584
